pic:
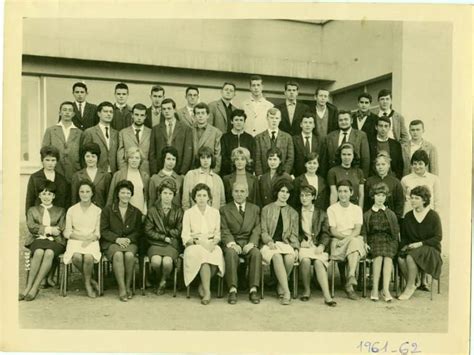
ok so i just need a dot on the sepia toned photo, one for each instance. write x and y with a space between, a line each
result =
263 176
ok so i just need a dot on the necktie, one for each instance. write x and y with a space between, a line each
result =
306 145
385 114
344 139
169 132
137 134
241 211
273 137
80 108
107 132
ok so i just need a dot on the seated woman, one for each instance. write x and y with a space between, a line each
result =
395 198
132 173
314 244
241 163
418 177
45 224
169 156
201 235
421 236
311 178
83 232
100 178
268 180
163 226
345 223
204 175
381 232
347 169
121 230
279 224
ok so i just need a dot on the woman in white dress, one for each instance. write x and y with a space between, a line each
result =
83 232
201 235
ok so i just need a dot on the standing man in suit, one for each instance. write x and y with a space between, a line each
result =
256 107
363 119
221 110
122 111
85 113
272 137
136 135
206 135
105 136
171 132
417 128
240 233
236 137
325 114
291 110
391 146
153 113
305 143
186 113
344 134
66 137
398 130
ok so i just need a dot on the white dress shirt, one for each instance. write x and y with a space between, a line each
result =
341 136
256 111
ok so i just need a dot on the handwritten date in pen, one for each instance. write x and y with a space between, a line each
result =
404 348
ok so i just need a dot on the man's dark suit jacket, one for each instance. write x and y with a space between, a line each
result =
292 128
148 120
88 119
332 118
395 154
242 230
182 140
108 156
369 125
300 152
122 118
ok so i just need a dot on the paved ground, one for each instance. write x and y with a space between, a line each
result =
151 312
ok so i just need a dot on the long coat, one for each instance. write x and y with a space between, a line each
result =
242 230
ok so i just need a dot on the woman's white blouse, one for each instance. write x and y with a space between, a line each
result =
82 223
194 222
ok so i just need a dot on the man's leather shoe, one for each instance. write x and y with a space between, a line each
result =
232 298
254 297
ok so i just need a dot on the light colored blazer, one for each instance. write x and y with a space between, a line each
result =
209 224
185 117
122 175
128 139
284 142
214 181
108 156
270 215
429 148
69 160
242 230
400 131
211 138
218 115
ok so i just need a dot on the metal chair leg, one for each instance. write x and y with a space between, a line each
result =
144 270
262 282
332 277
187 292
175 280
431 293
364 276
295 281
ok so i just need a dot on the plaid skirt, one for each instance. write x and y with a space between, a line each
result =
382 244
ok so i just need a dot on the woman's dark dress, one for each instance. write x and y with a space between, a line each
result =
380 240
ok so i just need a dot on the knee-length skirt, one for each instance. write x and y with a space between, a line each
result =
341 248
45 244
167 250
311 254
114 248
195 256
75 246
428 259
281 248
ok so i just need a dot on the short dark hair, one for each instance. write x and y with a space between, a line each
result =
200 187
169 101
205 151
276 151
104 104
201 105
79 85
123 184
140 107
92 148
238 112
347 145
379 188
49 151
308 188
383 119
345 182
121 86
311 156
47 185
167 183
344 112
420 155
156 88
364 95
169 150
416 123
309 114
255 77
189 88
423 192
292 83
229 83
64 103
384 92
319 89
85 182
281 184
